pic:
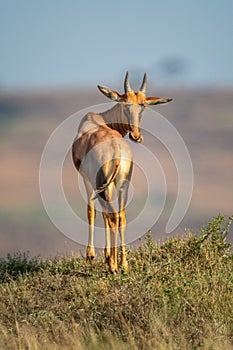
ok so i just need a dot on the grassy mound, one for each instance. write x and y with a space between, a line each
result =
178 295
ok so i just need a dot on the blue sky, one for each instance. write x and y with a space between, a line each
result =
57 44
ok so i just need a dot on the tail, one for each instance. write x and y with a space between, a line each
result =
110 179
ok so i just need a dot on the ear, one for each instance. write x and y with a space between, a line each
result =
113 95
157 100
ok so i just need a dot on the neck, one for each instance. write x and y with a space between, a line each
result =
116 119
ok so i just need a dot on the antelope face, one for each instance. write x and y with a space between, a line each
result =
133 104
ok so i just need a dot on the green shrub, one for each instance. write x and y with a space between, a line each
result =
18 264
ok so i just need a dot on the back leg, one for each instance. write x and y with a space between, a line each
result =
110 216
122 190
91 213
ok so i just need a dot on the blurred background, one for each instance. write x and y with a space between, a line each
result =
52 56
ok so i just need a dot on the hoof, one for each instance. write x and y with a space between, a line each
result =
90 253
113 267
124 266
90 258
107 255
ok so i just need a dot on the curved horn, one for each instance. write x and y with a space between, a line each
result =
144 83
126 83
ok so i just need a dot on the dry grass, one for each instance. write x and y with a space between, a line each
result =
175 296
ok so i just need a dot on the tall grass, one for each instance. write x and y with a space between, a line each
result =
178 295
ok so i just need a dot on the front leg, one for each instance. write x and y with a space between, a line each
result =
90 252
